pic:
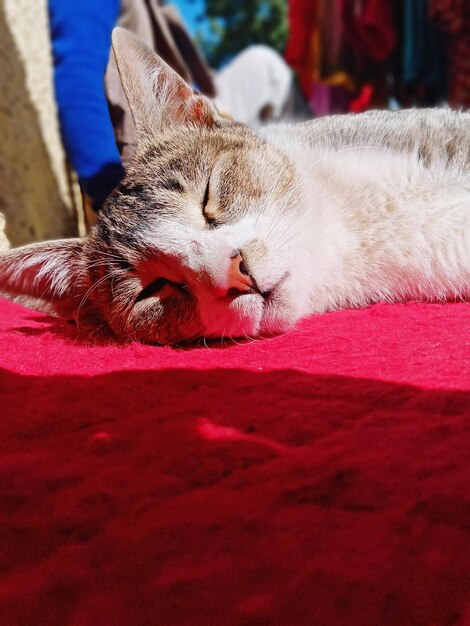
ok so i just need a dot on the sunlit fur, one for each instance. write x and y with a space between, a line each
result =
335 213
154 226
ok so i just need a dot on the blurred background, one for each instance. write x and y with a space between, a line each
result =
67 136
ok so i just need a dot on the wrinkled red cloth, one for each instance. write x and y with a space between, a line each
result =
320 478
301 53
453 16
372 28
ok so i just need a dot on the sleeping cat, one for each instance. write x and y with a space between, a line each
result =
220 232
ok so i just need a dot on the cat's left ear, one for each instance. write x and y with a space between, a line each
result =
45 275
158 97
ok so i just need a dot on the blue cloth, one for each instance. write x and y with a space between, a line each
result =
81 43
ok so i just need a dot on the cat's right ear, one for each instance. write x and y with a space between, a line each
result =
158 97
45 275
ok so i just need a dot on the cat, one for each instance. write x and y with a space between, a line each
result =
218 231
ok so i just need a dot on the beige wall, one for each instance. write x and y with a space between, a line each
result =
34 193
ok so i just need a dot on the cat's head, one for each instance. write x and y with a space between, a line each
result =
193 242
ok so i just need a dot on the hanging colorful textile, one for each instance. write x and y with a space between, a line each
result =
453 17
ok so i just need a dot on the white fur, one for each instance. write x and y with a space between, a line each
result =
377 225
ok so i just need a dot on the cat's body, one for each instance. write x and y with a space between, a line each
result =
387 206
219 232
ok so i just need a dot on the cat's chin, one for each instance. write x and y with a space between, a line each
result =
241 317
280 315
251 316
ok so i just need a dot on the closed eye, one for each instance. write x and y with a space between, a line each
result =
210 220
205 200
153 288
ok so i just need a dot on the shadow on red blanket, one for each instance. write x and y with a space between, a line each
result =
186 497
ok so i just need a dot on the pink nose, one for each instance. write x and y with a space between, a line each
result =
238 277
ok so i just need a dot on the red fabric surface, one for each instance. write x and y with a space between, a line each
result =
319 478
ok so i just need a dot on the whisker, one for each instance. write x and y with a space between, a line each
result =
97 264
324 198
90 290
330 155
311 141
335 153
300 216
112 286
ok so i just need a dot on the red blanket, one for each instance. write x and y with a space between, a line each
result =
321 478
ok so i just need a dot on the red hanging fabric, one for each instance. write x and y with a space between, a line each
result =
453 16
300 54
372 27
